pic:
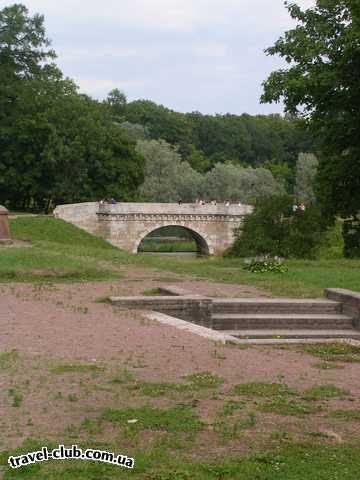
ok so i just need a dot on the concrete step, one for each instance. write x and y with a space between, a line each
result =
284 334
275 305
236 321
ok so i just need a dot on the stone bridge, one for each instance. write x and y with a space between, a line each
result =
125 225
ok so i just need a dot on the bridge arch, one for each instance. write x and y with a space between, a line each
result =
203 243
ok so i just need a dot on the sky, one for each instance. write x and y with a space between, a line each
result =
189 55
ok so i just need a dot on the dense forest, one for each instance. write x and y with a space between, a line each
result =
58 145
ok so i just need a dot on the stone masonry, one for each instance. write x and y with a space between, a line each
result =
125 225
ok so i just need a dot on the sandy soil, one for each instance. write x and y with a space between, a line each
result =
48 324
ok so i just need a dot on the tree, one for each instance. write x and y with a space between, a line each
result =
321 85
167 178
56 145
275 229
116 101
227 182
306 170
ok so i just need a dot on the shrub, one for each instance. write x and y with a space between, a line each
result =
265 264
275 229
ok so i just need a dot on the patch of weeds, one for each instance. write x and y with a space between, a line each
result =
102 300
172 420
93 427
334 352
17 397
262 389
123 377
283 406
72 397
29 423
232 430
76 368
230 407
205 380
346 414
324 392
327 366
151 389
319 435
7 359
281 436
152 292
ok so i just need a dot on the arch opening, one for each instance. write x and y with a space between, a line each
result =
173 240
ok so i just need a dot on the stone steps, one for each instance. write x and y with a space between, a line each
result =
284 334
270 305
254 321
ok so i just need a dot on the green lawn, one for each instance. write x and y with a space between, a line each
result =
62 252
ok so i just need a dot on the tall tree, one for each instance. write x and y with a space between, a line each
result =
306 170
322 85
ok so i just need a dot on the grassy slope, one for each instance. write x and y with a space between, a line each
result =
62 252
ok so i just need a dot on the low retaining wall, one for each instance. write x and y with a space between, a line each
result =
193 308
350 302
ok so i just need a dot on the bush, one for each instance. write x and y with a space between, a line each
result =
265 264
351 235
275 229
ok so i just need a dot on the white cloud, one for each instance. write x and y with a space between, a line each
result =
165 14
187 54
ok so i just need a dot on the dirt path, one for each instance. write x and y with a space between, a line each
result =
63 323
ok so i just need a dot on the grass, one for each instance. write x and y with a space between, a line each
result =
151 292
291 461
123 377
63 253
233 430
76 368
348 415
153 389
178 419
204 380
8 359
167 247
17 397
334 352
327 366
262 389
324 392
230 407
284 406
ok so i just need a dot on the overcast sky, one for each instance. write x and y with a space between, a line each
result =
204 55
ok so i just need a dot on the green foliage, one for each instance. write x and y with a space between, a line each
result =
348 415
17 397
262 389
167 178
275 229
8 359
205 380
285 406
323 57
228 182
172 420
265 264
324 392
334 352
306 170
56 146
351 235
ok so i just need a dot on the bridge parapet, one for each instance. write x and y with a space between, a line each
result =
125 225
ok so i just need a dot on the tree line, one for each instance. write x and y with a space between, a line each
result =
60 146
